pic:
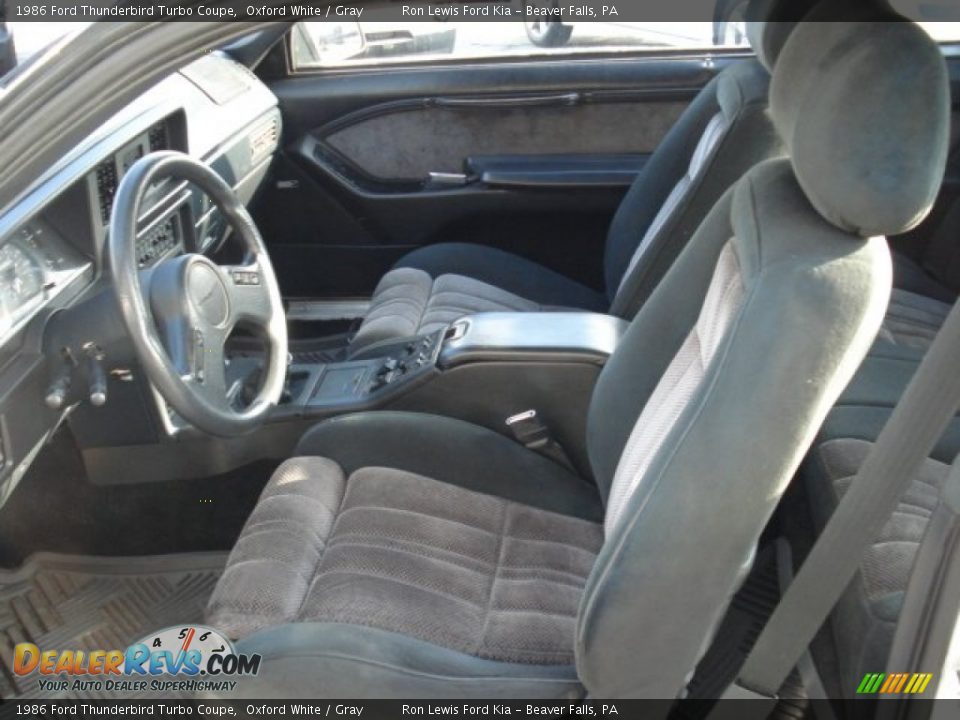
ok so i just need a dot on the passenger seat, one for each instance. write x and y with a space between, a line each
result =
724 132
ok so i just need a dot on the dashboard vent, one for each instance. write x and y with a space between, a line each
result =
157 243
158 138
263 140
106 188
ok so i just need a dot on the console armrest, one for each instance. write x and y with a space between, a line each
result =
531 337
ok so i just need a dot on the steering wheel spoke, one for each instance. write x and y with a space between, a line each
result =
250 301
208 369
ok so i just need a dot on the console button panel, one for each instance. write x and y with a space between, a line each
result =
414 355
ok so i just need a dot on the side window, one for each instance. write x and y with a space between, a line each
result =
324 44
944 32
938 17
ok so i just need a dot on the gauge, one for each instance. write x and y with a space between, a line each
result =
21 283
36 264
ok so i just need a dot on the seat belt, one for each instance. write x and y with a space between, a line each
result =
530 431
930 401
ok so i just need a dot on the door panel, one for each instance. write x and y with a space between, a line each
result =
535 157
410 144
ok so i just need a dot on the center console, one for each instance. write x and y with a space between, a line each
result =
483 368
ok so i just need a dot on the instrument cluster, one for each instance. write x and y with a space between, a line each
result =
35 262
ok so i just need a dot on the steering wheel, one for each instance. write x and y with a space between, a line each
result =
194 304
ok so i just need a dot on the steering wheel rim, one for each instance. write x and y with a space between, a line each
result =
194 304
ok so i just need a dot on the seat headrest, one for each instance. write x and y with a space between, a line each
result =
769 24
863 108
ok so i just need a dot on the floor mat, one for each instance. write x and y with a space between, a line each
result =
97 603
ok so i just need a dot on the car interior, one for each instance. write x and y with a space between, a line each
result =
525 378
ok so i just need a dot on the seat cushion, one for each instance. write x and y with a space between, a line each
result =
433 286
405 553
864 620
452 451
334 660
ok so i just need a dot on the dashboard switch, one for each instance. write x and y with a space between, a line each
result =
96 375
97 378
59 388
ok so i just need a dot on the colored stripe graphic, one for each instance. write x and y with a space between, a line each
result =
894 683
918 683
904 677
870 683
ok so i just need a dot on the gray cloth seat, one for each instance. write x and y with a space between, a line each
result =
383 547
391 557
865 618
912 320
723 133
436 286
863 623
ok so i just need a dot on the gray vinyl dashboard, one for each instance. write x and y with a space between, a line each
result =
52 238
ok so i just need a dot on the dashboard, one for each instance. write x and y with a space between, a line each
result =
34 263
53 264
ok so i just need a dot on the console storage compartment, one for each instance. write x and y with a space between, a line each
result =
574 337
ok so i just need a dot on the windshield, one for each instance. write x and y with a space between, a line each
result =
29 39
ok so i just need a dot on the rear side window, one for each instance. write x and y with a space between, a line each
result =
940 18
945 32
325 44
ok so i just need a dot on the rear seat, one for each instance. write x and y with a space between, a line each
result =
864 621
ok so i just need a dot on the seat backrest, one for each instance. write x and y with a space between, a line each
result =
724 132
702 415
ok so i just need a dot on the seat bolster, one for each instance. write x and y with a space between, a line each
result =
340 660
397 307
455 452
272 564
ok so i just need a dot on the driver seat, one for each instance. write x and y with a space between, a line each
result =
409 555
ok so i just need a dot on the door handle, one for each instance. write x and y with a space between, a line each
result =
446 179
